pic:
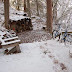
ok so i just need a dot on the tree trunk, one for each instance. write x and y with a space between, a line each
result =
24 5
37 4
28 7
55 11
18 4
6 10
49 16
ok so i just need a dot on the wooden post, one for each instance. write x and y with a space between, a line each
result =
49 16
6 12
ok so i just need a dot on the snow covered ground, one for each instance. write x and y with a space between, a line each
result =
38 23
34 36
47 56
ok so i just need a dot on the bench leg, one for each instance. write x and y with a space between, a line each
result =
16 49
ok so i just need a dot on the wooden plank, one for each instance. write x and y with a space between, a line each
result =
11 42
10 45
8 39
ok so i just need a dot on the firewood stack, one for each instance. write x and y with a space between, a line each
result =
21 24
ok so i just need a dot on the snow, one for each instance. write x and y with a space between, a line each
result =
38 23
17 17
14 14
45 56
2 33
70 50
11 42
2 40
11 38
33 58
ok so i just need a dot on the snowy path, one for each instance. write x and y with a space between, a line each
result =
49 56
34 36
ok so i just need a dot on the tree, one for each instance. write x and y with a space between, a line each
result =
18 4
49 16
55 11
6 14
28 7
24 5
37 4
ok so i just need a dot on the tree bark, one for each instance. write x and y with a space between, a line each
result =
6 14
18 4
55 11
49 16
28 7
37 4
24 5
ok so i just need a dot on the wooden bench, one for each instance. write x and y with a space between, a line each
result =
10 41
